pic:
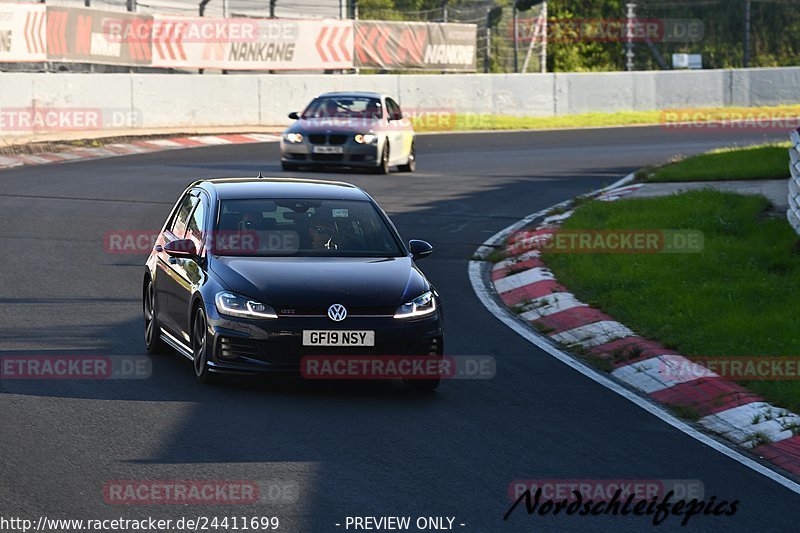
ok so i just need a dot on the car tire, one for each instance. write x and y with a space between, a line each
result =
383 164
289 167
152 331
200 348
411 165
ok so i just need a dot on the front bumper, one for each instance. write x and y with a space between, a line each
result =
276 345
353 154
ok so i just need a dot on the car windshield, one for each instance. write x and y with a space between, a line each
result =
344 107
302 227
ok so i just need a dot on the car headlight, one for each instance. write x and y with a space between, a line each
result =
293 138
367 138
229 303
420 306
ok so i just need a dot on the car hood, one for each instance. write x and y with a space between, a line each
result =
337 125
303 283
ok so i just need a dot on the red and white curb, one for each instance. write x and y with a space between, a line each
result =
528 288
135 147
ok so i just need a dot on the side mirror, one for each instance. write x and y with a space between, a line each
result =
293 115
181 248
419 249
395 116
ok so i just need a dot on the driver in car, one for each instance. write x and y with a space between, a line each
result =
251 220
322 229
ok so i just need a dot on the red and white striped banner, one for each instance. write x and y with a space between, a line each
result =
33 32
251 44
334 43
23 32
94 36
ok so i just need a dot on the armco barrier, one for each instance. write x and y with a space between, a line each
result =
793 213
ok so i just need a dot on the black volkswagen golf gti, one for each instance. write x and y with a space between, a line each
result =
252 275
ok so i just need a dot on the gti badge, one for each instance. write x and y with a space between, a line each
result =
337 312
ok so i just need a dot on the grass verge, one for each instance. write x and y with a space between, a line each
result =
768 161
738 297
431 120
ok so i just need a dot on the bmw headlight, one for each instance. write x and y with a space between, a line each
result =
293 138
420 306
367 138
232 304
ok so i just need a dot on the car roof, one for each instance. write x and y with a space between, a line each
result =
353 93
273 187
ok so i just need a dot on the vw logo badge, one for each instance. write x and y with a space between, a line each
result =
337 312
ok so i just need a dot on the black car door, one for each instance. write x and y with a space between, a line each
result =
190 271
168 277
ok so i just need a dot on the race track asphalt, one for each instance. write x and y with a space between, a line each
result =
355 449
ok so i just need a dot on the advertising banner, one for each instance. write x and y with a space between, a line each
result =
415 46
93 36
252 44
33 32
23 35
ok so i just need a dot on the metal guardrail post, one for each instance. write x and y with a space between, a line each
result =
793 213
747 24
514 18
543 52
629 29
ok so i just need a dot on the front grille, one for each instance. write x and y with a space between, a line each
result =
327 157
296 157
319 138
323 311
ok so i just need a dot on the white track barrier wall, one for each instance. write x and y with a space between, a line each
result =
173 100
793 213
